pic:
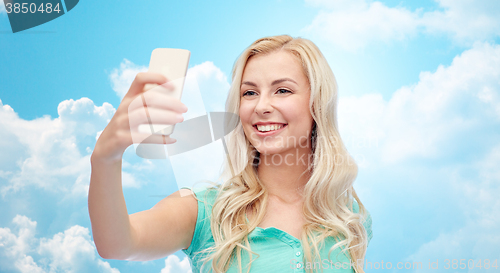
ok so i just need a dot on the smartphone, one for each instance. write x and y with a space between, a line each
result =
173 64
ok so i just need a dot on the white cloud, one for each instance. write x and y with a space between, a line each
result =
71 251
130 181
121 78
466 20
354 25
52 154
478 238
208 82
450 123
213 85
208 161
434 118
14 248
174 265
338 4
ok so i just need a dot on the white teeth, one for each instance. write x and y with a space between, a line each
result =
266 128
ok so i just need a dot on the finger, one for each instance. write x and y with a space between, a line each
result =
167 87
143 138
164 94
143 78
153 116
157 100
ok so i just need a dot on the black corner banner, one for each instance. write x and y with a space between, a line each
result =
25 14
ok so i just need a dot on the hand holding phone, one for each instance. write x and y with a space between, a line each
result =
173 64
159 105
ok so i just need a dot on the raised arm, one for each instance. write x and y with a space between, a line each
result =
150 234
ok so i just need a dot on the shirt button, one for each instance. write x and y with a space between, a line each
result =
297 254
298 265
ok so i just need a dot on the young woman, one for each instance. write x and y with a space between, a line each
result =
287 203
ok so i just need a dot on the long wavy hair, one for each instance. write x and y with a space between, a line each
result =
328 194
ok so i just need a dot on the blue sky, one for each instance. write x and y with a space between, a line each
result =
419 108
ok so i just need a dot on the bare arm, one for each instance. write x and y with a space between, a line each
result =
150 234
167 227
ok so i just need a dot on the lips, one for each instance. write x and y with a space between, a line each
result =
268 123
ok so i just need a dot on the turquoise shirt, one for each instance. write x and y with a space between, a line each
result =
278 250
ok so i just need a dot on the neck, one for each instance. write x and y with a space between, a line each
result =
285 175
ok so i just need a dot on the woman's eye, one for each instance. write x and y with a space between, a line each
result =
283 91
249 93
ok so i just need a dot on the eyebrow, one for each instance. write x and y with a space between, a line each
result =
278 81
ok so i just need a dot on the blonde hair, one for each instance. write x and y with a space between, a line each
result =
329 192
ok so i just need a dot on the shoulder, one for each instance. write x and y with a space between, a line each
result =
202 235
204 199
182 200
207 195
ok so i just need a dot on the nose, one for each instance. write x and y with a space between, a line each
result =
264 105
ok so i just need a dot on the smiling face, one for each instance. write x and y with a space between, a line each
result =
274 103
